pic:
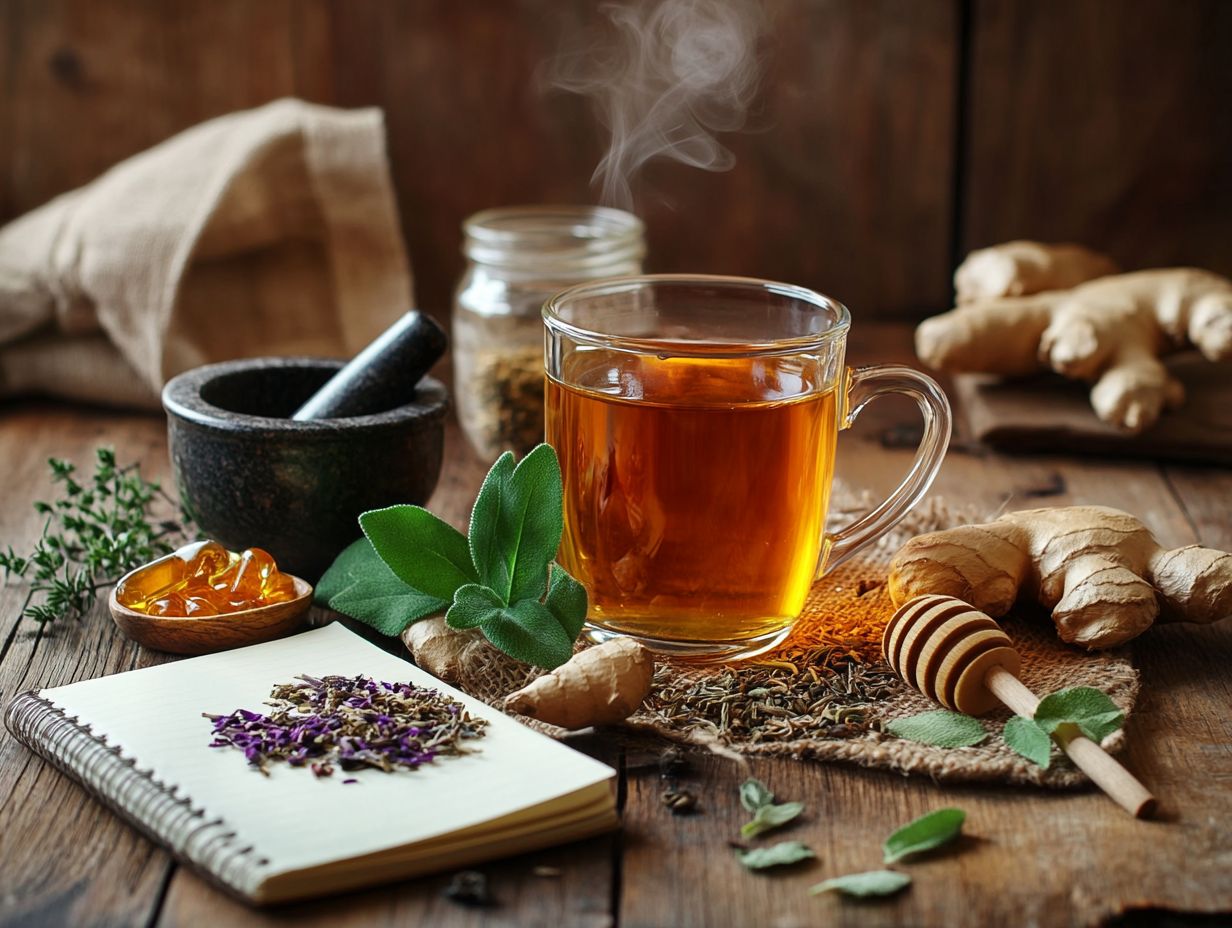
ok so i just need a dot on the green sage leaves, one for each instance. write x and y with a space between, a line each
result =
924 834
942 728
499 577
767 815
863 885
776 855
1090 711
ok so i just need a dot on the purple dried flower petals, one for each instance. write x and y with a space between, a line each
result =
354 722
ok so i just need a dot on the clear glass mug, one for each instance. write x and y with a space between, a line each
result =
696 420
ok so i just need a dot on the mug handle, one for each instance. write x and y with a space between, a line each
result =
863 385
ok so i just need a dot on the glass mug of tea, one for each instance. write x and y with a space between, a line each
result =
696 419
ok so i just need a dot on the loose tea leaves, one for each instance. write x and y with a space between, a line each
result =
351 722
925 833
777 855
871 883
499 578
767 815
942 728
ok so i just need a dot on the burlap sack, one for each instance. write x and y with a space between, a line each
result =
827 695
267 232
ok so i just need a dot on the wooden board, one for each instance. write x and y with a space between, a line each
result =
842 182
1054 414
1101 122
1031 857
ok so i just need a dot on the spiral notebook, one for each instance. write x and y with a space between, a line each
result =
138 741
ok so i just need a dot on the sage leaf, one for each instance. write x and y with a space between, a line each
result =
567 601
359 584
527 631
777 855
422 550
528 523
771 816
1026 737
871 883
925 833
942 728
754 794
473 604
487 553
1091 710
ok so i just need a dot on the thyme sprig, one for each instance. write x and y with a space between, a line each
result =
95 532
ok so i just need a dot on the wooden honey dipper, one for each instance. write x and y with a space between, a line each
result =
957 655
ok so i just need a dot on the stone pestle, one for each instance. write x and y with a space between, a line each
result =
384 375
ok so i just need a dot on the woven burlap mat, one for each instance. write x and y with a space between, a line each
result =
826 694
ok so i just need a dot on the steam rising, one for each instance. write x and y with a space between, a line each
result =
676 73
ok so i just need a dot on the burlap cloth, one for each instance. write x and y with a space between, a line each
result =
272 231
826 694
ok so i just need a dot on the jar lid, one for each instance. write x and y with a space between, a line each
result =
573 239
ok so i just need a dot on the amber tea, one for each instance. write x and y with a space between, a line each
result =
695 419
695 491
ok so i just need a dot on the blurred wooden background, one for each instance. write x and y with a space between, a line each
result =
891 135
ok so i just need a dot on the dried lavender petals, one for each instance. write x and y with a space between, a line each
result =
350 722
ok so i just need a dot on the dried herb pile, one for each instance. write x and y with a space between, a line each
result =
350 722
822 685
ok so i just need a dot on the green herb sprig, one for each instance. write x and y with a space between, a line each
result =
499 578
95 532
1084 708
1081 708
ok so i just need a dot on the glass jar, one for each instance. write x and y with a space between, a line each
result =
518 257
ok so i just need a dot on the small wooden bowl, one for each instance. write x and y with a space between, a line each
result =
216 632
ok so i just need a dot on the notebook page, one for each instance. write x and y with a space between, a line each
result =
292 817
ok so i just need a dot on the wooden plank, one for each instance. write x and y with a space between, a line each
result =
843 182
67 860
1089 122
87 84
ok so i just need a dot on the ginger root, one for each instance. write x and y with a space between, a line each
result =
599 686
441 650
1022 268
1099 570
1110 331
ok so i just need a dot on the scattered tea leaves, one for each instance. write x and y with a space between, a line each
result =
924 834
1027 738
769 817
468 887
864 885
754 794
1091 710
777 855
942 728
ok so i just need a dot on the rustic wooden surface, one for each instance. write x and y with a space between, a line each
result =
1030 857
889 135
1100 122
1054 414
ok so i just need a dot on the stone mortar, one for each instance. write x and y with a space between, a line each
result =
252 477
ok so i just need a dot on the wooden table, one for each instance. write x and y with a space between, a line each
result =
1031 857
